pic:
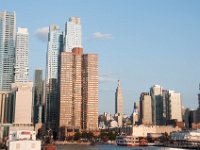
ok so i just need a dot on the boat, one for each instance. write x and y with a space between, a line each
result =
143 142
125 140
49 147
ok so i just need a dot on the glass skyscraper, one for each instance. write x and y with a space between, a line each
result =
7 49
55 47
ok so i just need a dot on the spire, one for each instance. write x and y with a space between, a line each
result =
199 86
119 83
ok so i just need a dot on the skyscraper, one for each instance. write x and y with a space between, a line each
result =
73 34
22 94
90 91
55 46
6 107
146 108
71 88
175 106
79 90
119 99
7 49
157 105
38 96
21 55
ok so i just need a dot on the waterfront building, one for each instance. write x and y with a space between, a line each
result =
70 89
7 49
54 49
157 105
143 130
73 34
78 90
90 91
146 109
21 55
119 99
23 140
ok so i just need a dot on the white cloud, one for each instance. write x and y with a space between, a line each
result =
106 78
99 35
42 33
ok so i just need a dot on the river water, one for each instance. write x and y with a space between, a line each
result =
108 147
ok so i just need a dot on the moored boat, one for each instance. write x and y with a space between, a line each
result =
125 140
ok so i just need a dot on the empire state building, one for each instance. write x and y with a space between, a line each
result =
118 99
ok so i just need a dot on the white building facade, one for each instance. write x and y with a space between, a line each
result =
55 46
175 103
73 34
22 96
21 55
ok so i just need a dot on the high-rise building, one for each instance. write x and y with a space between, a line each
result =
79 90
6 107
197 111
21 55
199 97
22 96
175 106
7 49
157 105
119 99
71 89
38 96
55 47
135 116
146 109
73 34
90 91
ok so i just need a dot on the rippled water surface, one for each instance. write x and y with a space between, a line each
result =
107 147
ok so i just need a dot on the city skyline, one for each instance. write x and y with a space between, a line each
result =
143 44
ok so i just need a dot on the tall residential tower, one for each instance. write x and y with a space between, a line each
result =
73 34
157 105
21 55
54 48
79 90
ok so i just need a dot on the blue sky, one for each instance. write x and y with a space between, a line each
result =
142 43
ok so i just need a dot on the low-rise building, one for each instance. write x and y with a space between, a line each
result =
143 131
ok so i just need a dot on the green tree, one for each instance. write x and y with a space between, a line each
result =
112 135
77 136
90 135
